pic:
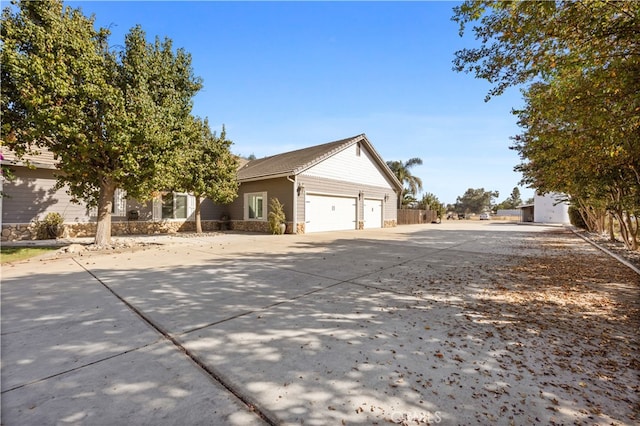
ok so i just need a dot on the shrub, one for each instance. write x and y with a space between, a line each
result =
276 216
50 226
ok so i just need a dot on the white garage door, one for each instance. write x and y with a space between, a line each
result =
372 213
326 213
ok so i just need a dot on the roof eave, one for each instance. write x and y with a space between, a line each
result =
383 165
30 164
267 176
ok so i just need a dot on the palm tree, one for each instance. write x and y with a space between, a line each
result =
413 184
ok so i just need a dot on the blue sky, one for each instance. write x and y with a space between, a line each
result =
287 75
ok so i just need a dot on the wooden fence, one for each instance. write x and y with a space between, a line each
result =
414 216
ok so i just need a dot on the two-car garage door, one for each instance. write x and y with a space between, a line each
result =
328 213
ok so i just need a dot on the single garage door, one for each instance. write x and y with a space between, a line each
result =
327 213
372 213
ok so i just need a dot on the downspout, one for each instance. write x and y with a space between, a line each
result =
294 229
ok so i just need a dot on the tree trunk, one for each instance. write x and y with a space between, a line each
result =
612 236
631 223
197 213
105 205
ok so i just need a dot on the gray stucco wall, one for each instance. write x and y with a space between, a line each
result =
278 187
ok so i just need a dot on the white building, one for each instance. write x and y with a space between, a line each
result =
547 208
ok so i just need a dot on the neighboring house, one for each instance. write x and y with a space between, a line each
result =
547 208
335 186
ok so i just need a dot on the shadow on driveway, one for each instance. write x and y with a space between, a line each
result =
459 326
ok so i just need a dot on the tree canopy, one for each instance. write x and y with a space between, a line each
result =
512 202
578 64
475 201
431 202
206 167
113 119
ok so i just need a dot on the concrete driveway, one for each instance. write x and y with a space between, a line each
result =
456 323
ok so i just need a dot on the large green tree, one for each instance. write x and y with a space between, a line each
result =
113 119
579 65
475 200
411 184
206 167
579 151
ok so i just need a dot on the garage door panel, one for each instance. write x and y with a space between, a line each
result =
329 213
372 213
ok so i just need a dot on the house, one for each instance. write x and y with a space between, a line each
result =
33 194
546 208
339 185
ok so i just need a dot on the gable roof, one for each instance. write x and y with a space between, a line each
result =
296 162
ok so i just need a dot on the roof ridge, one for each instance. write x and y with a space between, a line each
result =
292 162
307 148
297 161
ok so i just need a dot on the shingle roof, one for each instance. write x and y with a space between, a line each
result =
293 162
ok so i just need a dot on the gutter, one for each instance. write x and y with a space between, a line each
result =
263 177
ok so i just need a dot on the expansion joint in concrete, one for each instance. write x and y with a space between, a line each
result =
252 406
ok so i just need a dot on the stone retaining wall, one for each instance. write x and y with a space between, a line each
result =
16 232
19 232
300 227
256 226
29 231
249 226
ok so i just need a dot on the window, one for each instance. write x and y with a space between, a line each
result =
358 149
254 206
174 206
119 205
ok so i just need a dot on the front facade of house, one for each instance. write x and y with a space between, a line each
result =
336 186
